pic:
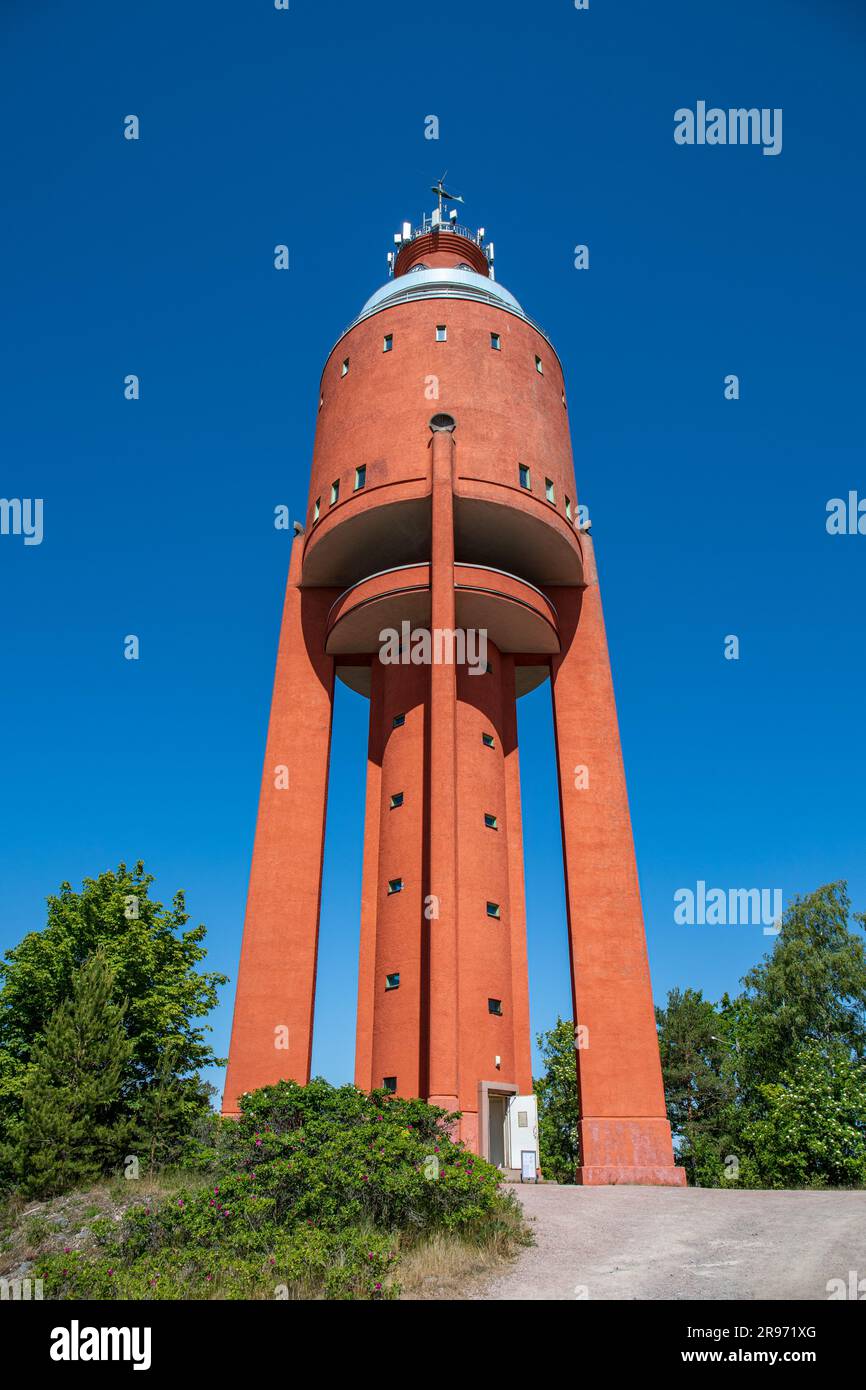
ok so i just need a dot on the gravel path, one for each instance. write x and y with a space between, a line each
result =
669 1243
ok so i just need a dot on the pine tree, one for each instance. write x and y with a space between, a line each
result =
73 1127
165 1113
699 1091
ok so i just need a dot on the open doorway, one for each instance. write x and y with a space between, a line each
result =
496 1121
494 1098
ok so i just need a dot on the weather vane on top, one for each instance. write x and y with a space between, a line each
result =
439 189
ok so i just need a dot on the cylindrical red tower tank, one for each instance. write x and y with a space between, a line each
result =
443 501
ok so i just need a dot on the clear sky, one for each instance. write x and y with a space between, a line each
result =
155 257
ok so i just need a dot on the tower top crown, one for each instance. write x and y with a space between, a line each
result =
441 241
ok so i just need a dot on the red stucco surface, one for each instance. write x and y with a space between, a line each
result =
443 512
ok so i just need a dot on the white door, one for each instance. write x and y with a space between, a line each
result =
522 1126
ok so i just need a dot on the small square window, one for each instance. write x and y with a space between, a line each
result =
321 401
396 800
387 342
389 1083
335 491
316 509
495 342
345 367
392 981
494 1006
568 508
525 479
493 909
488 740
492 824
361 476
395 885
563 400
550 491
539 366
441 333
398 721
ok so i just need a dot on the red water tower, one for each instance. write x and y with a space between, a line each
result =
445 571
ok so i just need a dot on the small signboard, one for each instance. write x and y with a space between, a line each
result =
528 1165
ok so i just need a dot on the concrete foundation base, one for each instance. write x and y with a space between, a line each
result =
660 1176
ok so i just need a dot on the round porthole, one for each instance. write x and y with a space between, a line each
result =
442 422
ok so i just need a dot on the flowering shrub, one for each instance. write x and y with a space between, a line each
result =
813 1132
311 1189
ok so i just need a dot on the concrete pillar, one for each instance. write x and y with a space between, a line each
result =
272 1031
443 1079
370 886
517 893
624 1132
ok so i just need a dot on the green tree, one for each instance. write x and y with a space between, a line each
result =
153 959
558 1105
698 1091
811 987
799 1021
163 1132
813 1131
73 1125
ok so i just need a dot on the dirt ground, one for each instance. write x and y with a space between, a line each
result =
678 1243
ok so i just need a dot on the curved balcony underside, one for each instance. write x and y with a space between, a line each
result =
494 525
516 617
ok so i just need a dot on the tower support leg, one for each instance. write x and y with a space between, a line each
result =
272 1032
624 1133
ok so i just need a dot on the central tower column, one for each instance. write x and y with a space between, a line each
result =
441 911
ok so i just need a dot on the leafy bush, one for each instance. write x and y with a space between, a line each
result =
314 1186
814 1129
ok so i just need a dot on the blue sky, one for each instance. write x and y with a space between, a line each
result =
156 257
